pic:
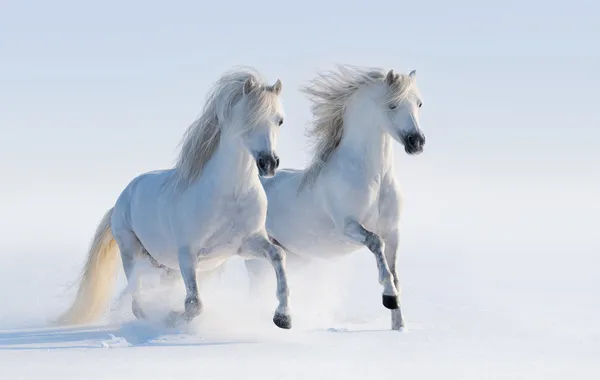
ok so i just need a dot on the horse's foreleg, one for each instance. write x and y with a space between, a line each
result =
188 262
276 256
356 232
259 277
391 251
260 246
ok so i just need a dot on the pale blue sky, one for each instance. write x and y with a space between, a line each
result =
93 94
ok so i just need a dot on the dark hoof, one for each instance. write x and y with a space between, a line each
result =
390 302
282 321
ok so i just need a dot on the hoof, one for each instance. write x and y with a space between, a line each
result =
282 321
390 302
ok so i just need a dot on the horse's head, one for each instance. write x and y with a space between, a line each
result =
402 104
263 110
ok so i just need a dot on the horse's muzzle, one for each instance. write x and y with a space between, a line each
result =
267 164
413 143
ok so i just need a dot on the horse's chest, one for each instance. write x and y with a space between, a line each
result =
238 218
371 212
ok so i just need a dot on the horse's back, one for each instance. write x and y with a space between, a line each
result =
149 185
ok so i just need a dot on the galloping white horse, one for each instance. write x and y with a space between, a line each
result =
208 208
348 197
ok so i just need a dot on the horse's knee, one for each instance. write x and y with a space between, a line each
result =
276 254
373 242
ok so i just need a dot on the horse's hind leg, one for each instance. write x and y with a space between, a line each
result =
130 248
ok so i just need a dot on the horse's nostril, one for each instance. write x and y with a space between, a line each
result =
261 161
276 161
415 140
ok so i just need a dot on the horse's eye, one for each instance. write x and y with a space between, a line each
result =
393 106
420 104
280 122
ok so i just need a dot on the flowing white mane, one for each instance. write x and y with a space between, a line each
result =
330 93
202 137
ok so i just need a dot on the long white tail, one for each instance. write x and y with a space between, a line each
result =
97 279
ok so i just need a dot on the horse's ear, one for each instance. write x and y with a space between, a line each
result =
413 75
249 86
277 87
390 78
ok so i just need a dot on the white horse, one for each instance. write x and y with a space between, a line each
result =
208 208
348 198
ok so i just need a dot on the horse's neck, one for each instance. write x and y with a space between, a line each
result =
231 165
364 138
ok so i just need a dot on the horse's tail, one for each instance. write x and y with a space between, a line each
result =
98 275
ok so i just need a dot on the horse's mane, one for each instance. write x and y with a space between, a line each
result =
202 137
330 91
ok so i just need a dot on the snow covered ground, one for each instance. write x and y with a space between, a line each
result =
489 292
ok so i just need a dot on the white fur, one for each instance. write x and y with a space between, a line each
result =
208 208
348 197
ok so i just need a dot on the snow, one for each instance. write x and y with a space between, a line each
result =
494 286
495 322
